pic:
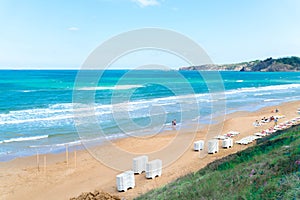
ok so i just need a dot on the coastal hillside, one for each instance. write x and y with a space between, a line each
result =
268 65
269 170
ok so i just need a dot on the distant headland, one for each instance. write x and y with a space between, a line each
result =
268 65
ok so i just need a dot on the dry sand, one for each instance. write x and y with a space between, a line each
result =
21 179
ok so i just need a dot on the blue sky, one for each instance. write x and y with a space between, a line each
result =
62 33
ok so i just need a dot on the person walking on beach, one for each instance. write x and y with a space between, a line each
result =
275 121
174 122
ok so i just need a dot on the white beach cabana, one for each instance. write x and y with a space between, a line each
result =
154 168
198 145
213 146
125 181
139 164
227 143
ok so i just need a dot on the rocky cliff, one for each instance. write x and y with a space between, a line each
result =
268 65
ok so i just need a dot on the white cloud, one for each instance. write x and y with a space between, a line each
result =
145 3
73 29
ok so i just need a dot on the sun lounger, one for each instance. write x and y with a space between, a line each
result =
198 145
295 121
256 124
279 116
270 131
288 123
244 141
220 137
153 168
247 140
125 181
254 137
139 164
259 134
280 127
233 132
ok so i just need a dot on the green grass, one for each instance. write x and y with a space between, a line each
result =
268 170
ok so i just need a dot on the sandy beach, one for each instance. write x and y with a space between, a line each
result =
55 178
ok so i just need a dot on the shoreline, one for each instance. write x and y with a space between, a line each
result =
20 178
27 142
77 145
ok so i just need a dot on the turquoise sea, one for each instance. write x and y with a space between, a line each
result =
37 112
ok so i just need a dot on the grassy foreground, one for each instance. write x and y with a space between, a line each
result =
268 170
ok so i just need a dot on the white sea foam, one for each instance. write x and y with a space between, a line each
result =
81 142
70 111
66 111
268 100
265 88
262 94
25 91
239 81
53 118
73 143
117 87
21 139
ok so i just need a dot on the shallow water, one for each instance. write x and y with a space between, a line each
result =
41 111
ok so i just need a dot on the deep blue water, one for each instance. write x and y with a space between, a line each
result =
40 110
